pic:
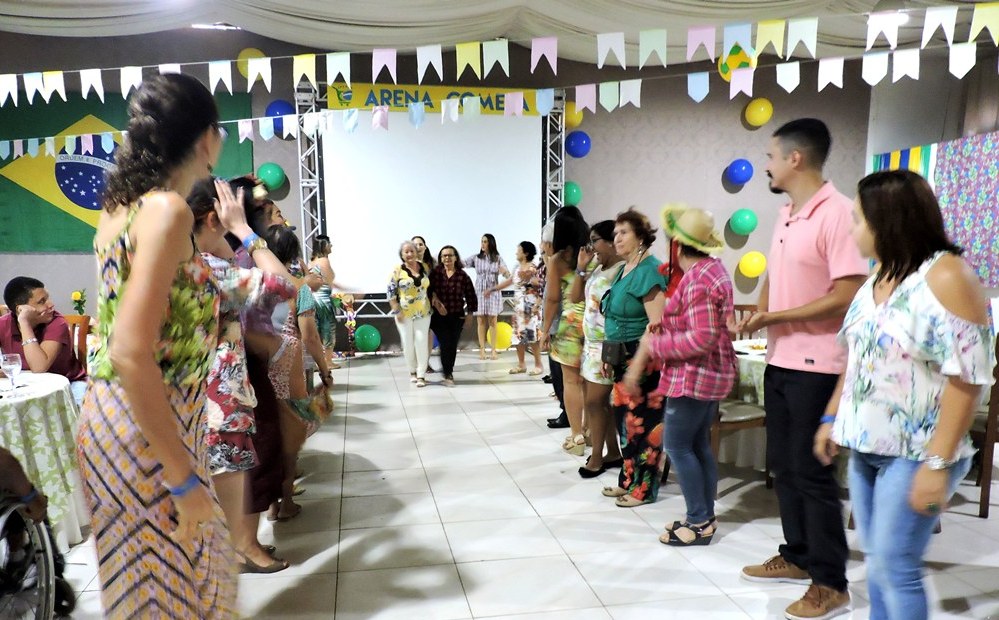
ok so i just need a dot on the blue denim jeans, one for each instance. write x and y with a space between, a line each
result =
893 535
686 439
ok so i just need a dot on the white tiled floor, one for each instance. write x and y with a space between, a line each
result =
458 503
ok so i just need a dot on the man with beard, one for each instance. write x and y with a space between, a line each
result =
814 272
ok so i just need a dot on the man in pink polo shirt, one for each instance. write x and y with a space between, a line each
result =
814 271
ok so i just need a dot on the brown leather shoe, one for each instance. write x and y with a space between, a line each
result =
819 603
776 569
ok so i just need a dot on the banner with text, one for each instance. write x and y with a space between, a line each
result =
398 97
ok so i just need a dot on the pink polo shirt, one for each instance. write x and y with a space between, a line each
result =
808 251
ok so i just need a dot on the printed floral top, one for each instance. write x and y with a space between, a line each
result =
413 294
597 284
900 355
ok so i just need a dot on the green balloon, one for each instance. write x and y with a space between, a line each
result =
743 222
271 175
573 193
367 338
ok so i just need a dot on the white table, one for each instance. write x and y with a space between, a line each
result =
38 426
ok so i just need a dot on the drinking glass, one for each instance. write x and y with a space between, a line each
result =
11 365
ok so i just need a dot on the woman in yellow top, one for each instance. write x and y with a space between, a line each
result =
409 296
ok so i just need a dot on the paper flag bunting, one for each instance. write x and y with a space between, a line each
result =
220 71
383 58
245 127
54 83
4 149
50 147
87 144
631 92
33 147
770 32
737 34
497 51
289 124
544 47
513 104
544 100
258 67
610 42
170 67
986 15
33 83
741 82
831 72
91 79
698 36
449 110
609 95
18 149
70 145
905 63
939 17
471 107
649 42
875 67
417 113
586 97
303 65
883 22
8 88
379 117
468 55
426 56
697 86
310 123
350 118
962 58
804 31
107 142
789 75
266 125
131 77
337 63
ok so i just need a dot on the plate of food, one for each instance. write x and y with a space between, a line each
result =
755 346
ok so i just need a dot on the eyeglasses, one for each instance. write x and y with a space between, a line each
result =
447 255
223 133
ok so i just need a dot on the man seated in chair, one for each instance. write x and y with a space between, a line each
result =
40 335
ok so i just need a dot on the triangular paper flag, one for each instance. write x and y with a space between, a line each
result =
383 58
697 86
427 56
472 107
883 22
449 110
905 63
33 83
289 123
493 52
50 147
468 55
91 79
70 145
8 88
258 67
770 32
986 15
54 83
170 67
586 97
939 17
513 104
737 34
831 72
544 47
741 82
245 127
631 92
789 75
650 41
417 113
310 123
266 125
18 149
337 63
610 42
875 67
802 31
544 100
962 58
220 71
131 77
107 142
4 149
87 144
303 65
698 36
379 117
33 147
350 119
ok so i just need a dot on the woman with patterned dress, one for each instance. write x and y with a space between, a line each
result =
409 295
921 353
427 258
326 302
162 545
488 266
526 307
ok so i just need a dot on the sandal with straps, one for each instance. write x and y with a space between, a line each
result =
678 524
700 538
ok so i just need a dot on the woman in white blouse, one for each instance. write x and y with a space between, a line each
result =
921 349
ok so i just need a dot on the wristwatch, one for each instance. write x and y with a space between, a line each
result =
936 463
581 273
255 243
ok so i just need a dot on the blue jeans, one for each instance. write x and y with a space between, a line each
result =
893 535
686 439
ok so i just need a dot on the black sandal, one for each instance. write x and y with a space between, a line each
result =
700 538
678 524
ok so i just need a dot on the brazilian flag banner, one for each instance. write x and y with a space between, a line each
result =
51 204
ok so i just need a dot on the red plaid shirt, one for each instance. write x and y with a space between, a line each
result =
455 292
694 345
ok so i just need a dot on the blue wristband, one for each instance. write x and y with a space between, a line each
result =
30 497
827 419
250 239
185 488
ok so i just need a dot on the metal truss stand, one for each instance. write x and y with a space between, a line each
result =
554 145
308 100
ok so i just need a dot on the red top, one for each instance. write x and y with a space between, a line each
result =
456 292
57 329
693 343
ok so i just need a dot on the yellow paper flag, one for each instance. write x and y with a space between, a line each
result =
985 16
304 64
468 56
770 32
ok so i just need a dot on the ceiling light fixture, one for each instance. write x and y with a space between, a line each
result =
215 26
899 7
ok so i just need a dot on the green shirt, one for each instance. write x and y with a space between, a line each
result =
624 307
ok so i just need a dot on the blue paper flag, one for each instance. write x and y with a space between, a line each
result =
417 112
545 100
350 120
697 86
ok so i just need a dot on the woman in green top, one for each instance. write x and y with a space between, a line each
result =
635 299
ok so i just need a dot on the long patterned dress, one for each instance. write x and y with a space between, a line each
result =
325 310
143 572
526 305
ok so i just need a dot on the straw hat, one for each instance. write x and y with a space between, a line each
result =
692 227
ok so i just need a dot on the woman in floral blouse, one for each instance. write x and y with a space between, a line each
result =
409 296
921 349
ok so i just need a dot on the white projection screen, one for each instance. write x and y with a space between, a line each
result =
448 183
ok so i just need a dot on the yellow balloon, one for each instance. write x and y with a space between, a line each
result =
737 58
573 117
759 111
753 264
244 55
504 335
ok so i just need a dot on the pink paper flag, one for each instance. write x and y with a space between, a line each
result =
87 144
698 36
379 117
586 97
741 82
245 129
18 149
514 104
382 58
546 47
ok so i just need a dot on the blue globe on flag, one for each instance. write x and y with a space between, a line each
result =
81 177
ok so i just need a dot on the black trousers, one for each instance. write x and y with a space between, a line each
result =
448 331
807 492
555 370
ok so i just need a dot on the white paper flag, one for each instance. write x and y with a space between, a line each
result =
54 83
905 63
631 92
962 58
310 123
449 110
887 23
875 67
50 147
428 55
220 71
493 52
245 127
289 122
831 72
131 77
33 83
802 31
337 63
258 67
650 41
471 107
610 42
939 17
8 88
171 67
91 79
789 75
350 121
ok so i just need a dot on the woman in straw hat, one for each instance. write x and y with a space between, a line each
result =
698 367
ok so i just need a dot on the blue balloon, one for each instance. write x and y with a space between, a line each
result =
276 109
577 144
739 171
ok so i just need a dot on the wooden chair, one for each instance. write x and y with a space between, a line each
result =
743 311
985 434
79 327
736 415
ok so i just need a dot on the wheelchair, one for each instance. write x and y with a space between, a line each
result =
31 568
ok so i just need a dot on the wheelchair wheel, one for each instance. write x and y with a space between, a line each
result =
27 568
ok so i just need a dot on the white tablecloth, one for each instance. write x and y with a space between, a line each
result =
747 448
